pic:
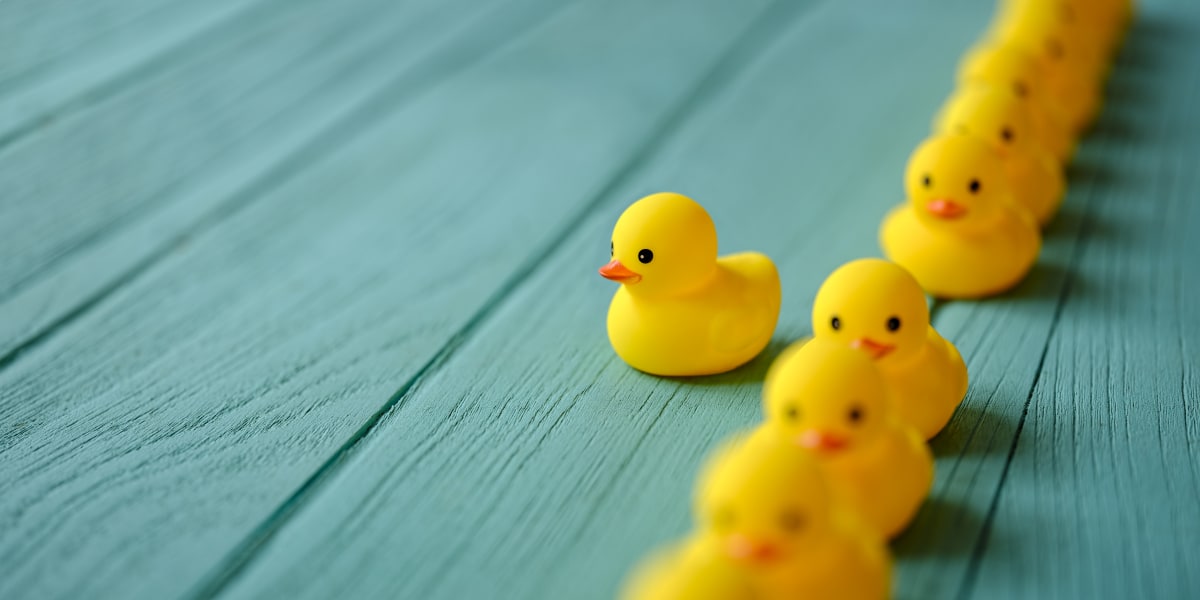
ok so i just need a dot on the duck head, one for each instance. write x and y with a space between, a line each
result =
663 244
874 306
826 397
762 502
957 183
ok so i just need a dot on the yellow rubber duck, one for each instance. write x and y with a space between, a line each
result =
1009 67
1073 68
830 400
695 570
877 307
998 117
959 233
680 310
770 510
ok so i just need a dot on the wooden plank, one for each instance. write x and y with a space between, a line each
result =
37 34
532 463
49 76
1005 343
184 147
145 442
1099 499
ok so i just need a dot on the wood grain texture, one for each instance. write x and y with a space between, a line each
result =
147 440
63 58
139 172
950 550
532 463
1106 469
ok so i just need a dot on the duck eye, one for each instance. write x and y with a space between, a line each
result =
855 415
1020 89
835 323
612 248
1055 48
1007 134
927 181
893 324
791 521
792 413
645 256
974 186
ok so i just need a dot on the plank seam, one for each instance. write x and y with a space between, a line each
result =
976 560
325 142
119 81
754 39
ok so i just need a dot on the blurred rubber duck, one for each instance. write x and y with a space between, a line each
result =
769 509
1073 67
959 233
1009 67
996 116
829 399
680 310
877 307
694 570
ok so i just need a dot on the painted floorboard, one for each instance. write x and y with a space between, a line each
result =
149 438
42 89
1005 342
532 463
37 35
140 171
1100 497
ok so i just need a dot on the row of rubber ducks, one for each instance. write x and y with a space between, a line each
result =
803 506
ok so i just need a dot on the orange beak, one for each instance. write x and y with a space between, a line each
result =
875 349
945 208
821 441
619 273
744 549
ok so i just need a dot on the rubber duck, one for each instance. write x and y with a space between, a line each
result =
876 306
1074 70
769 509
680 309
1006 66
830 400
998 117
959 233
694 570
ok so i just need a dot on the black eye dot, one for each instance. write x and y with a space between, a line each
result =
645 256
1054 47
974 186
792 413
1020 89
927 181
893 324
856 414
791 521
835 323
1007 134
612 248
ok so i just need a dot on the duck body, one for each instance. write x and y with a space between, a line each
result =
719 325
848 567
960 234
928 388
951 264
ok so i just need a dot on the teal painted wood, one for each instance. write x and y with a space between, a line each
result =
38 35
43 86
532 463
148 440
1106 469
960 546
193 145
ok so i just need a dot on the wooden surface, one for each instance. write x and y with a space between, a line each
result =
298 299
